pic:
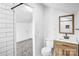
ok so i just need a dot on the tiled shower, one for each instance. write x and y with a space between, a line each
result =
9 44
6 31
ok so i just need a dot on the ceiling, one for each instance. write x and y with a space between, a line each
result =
68 7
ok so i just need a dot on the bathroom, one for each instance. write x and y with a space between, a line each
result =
30 29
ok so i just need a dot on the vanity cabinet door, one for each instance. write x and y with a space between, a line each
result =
73 52
65 52
65 49
59 51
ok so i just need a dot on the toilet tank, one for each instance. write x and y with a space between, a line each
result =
49 43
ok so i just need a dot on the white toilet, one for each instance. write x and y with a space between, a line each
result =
47 50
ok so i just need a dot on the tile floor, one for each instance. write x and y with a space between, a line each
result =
24 48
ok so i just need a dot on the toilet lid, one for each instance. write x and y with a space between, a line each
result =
46 49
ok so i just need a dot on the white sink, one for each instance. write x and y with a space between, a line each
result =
68 40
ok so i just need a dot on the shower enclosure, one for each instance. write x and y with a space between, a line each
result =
8 31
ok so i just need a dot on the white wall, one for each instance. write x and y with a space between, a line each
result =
38 18
77 26
23 18
51 24
23 31
22 14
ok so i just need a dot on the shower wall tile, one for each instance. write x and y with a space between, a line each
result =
3 54
6 31
9 53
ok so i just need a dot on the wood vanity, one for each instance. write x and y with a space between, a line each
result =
62 48
66 46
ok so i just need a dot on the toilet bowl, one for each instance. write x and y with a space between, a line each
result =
47 50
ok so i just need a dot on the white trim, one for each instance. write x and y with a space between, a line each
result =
14 37
33 36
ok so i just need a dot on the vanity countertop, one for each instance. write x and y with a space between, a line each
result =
69 41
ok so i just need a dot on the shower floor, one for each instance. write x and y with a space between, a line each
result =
24 48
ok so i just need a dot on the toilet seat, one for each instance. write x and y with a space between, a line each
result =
46 51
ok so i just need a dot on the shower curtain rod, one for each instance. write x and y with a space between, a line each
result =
17 5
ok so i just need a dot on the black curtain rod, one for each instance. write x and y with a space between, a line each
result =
17 5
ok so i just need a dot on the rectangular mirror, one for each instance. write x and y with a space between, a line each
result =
66 24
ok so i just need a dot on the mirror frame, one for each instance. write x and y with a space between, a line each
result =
72 24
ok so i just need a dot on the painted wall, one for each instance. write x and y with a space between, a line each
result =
23 18
51 24
23 31
23 14
38 17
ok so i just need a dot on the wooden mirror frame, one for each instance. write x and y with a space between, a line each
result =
72 24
